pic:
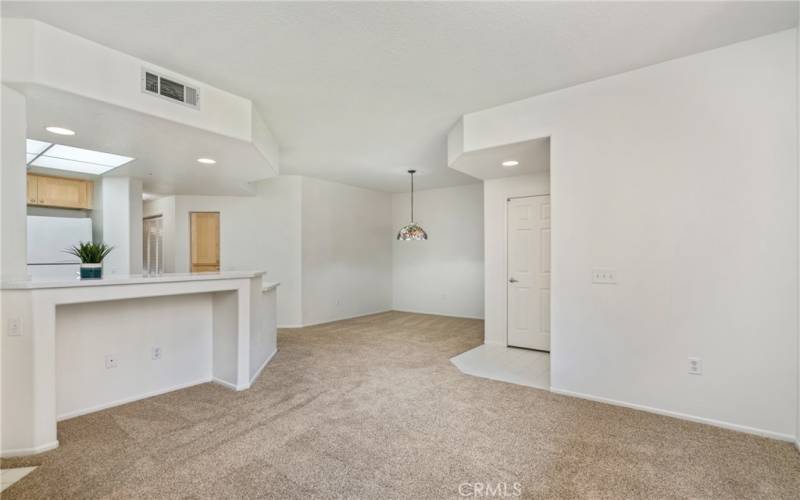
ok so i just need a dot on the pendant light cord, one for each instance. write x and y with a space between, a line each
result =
412 196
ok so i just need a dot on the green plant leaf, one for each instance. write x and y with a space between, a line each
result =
89 252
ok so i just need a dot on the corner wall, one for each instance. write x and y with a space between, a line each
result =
122 225
683 176
256 233
13 181
797 122
347 251
443 275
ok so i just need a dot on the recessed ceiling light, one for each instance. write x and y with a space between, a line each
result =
60 130
206 161
510 163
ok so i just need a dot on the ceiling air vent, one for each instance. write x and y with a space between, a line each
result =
155 84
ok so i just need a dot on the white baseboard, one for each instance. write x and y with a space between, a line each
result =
21 452
674 414
431 313
118 402
264 364
225 383
317 323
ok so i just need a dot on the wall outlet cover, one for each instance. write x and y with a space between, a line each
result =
14 327
111 361
695 366
604 276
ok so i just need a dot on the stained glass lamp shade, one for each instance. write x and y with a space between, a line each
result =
412 230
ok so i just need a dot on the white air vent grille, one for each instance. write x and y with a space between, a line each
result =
168 88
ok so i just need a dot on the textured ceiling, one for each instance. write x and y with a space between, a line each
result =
360 92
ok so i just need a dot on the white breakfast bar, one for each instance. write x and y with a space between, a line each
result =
74 347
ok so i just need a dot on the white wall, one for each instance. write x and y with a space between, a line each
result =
797 65
13 259
495 195
122 225
179 325
347 251
35 52
256 233
443 275
683 177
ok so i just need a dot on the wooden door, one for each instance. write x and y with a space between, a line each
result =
529 272
205 241
63 192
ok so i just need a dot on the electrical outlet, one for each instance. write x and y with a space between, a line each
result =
14 327
695 366
604 276
156 353
111 361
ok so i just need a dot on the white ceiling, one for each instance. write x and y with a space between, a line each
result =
360 92
533 157
165 152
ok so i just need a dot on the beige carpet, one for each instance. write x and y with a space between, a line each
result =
371 408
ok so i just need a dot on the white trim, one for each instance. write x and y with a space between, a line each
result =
440 314
258 372
226 384
376 312
267 287
317 323
683 416
92 409
21 452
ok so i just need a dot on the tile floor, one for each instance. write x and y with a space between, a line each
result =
507 364
11 476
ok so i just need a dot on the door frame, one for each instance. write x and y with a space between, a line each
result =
219 238
505 261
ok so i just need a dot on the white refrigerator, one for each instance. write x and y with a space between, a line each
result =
48 237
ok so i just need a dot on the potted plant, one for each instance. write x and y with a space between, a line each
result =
91 255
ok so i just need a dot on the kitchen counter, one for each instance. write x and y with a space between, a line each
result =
129 280
78 346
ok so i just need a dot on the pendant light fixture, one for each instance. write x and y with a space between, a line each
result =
412 230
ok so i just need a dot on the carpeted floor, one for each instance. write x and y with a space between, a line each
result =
371 408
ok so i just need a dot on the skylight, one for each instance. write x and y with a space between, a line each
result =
58 156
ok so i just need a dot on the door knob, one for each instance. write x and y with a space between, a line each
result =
512 280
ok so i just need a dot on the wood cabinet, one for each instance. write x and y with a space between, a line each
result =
61 192
205 241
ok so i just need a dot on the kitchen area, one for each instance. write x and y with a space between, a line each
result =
76 345
94 314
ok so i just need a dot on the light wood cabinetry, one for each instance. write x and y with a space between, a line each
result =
205 241
61 192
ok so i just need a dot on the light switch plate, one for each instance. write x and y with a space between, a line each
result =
604 276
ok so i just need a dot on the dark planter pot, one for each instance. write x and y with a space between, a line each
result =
91 271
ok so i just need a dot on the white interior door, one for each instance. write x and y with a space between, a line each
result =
529 272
